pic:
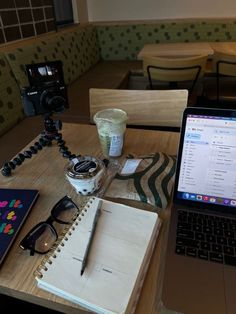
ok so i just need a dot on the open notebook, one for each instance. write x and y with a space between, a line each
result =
118 260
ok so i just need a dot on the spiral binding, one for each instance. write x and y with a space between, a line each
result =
60 243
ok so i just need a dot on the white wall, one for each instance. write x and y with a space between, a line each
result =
115 10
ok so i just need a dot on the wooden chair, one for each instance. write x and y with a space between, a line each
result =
224 65
148 109
219 88
175 70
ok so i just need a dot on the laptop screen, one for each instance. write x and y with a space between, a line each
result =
206 171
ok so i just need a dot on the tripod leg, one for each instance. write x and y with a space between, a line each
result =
19 159
50 133
62 148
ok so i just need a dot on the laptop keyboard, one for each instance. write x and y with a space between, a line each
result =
207 237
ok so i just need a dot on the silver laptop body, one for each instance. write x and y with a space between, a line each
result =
200 265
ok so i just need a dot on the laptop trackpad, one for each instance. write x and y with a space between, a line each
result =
230 288
193 286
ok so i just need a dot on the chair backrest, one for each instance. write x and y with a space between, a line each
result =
145 108
177 69
224 63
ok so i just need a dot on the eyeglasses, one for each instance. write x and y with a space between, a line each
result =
41 238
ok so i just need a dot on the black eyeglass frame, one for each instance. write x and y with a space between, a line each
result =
27 244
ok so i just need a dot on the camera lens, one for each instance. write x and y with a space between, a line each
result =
56 103
52 101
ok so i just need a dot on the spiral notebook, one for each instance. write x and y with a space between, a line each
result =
118 260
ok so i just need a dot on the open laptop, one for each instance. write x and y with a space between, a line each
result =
200 269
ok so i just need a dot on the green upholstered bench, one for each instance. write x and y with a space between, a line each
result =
123 41
11 110
78 50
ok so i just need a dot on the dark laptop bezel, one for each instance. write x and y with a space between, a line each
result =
200 205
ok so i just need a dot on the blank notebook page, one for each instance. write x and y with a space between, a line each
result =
119 250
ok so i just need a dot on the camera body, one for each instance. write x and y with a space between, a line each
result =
47 92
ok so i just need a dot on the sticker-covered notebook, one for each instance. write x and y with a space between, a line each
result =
15 204
117 263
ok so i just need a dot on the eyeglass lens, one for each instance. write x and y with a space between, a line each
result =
64 211
44 236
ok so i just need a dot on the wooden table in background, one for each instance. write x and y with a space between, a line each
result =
186 49
227 47
176 50
45 172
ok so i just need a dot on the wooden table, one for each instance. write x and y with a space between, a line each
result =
45 172
186 49
176 50
227 47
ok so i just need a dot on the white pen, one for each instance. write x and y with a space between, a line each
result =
85 258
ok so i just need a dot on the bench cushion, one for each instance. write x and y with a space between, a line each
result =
123 41
78 50
11 109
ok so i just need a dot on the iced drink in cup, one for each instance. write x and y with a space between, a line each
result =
111 126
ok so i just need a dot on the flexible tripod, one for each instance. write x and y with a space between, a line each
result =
49 134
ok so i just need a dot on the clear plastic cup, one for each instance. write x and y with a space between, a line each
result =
111 126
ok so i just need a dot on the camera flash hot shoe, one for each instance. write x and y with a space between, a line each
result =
49 134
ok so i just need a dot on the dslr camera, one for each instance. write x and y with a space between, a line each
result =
47 92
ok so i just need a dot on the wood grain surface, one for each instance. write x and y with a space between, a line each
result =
143 107
176 50
186 49
45 171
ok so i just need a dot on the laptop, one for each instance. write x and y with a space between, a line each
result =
200 266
